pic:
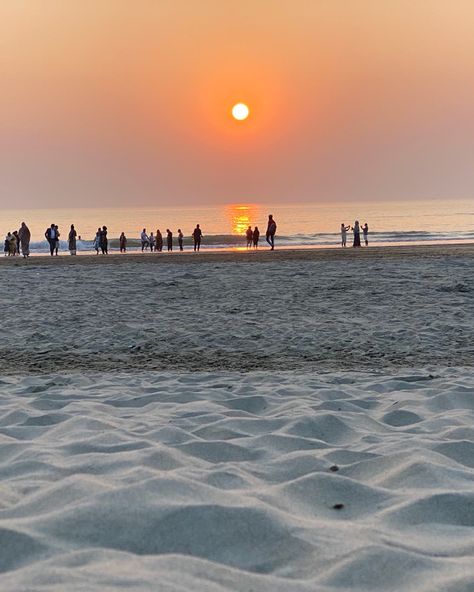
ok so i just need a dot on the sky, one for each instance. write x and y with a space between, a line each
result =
123 103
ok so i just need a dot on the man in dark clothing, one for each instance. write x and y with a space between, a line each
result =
271 229
104 241
169 239
197 236
51 237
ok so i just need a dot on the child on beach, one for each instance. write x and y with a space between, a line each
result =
96 243
169 239
344 230
152 242
6 245
365 230
180 239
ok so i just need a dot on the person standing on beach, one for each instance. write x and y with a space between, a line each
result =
123 242
145 240
25 236
17 238
72 246
356 230
180 239
169 239
159 241
50 235
13 244
271 230
56 243
6 244
256 236
249 236
152 242
365 230
103 240
344 230
96 243
197 236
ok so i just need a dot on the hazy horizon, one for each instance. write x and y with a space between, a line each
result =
114 104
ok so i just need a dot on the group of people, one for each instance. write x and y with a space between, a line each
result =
52 235
154 242
356 229
253 236
17 242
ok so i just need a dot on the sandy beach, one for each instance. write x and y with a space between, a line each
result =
296 420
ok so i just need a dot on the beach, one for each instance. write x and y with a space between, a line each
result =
272 421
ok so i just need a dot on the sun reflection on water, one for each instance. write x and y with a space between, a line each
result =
241 216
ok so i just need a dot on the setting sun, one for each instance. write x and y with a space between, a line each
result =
240 111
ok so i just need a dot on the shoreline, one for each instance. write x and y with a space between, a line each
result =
263 255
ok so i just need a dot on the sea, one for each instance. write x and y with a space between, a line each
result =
304 225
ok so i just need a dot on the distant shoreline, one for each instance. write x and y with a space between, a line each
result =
262 255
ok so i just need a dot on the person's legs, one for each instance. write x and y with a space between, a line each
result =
51 247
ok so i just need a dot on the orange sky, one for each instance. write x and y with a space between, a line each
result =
120 102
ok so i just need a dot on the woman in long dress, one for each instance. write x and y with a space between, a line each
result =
356 230
72 246
25 236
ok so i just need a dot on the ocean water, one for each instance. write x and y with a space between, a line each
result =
299 225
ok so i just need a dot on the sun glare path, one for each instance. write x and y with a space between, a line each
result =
241 217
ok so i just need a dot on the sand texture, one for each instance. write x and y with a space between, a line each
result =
238 423
318 310
217 482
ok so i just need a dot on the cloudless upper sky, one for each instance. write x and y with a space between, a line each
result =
124 102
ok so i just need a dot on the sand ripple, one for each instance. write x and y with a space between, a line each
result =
228 481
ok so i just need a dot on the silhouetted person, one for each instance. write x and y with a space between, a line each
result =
104 241
145 240
96 243
56 245
50 235
152 242
356 230
271 230
344 230
72 238
365 230
24 235
159 241
6 245
17 244
169 239
249 236
197 237
123 243
256 236
180 239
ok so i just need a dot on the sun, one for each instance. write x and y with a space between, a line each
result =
240 111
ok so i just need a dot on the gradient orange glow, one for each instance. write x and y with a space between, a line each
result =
241 216
118 103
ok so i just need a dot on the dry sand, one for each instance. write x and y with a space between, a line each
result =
275 422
